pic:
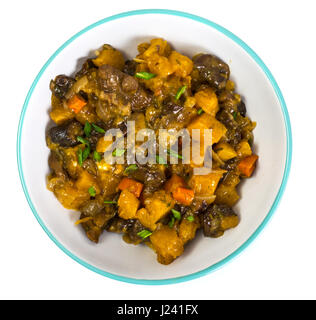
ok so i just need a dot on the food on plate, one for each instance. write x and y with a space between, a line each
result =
162 204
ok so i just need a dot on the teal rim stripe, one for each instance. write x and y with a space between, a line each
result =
286 169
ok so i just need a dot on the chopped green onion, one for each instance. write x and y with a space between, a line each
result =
200 111
190 218
235 115
109 202
87 129
171 222
160 160
131 168
145 75
118 152
176 214
83 141
180 92
92 191
80 157
96 156
174 154
97 128
144 233
86 152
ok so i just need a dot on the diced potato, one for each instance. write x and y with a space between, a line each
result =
182 65
206 121
110 56
226 195
167 244
174 183
187 229
159 65
244 149
102 145
159 204
61 115
128 205
158 45
146 219
225 151
205 184
70 197
207 100
85 181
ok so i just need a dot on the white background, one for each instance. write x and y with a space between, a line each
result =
279 264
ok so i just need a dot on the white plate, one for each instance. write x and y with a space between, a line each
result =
189 34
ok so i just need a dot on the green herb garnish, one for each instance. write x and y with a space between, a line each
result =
97 128
86 152
180 92
83 141
80 157
130 168
171 222
87 129
235 115
190 218
118 152
109 202
92 191
144 233
176 214
174 154
200 111
145 75
96 156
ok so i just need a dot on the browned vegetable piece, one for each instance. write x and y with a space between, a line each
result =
158 205
69 196
207 100
217 219
93 232
212 70
61 85
110 56
128 205
206 121
66 134
205 184
166 244
187 229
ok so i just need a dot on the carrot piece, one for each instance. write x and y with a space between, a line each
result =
173 183
76 103
247 165
183 195
131 185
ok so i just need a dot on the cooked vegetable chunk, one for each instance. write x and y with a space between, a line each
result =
212 70
110 56
247 165
167 244
217 219
128 205
159 204
207 100
147 189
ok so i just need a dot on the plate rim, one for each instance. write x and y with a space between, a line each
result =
277 199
